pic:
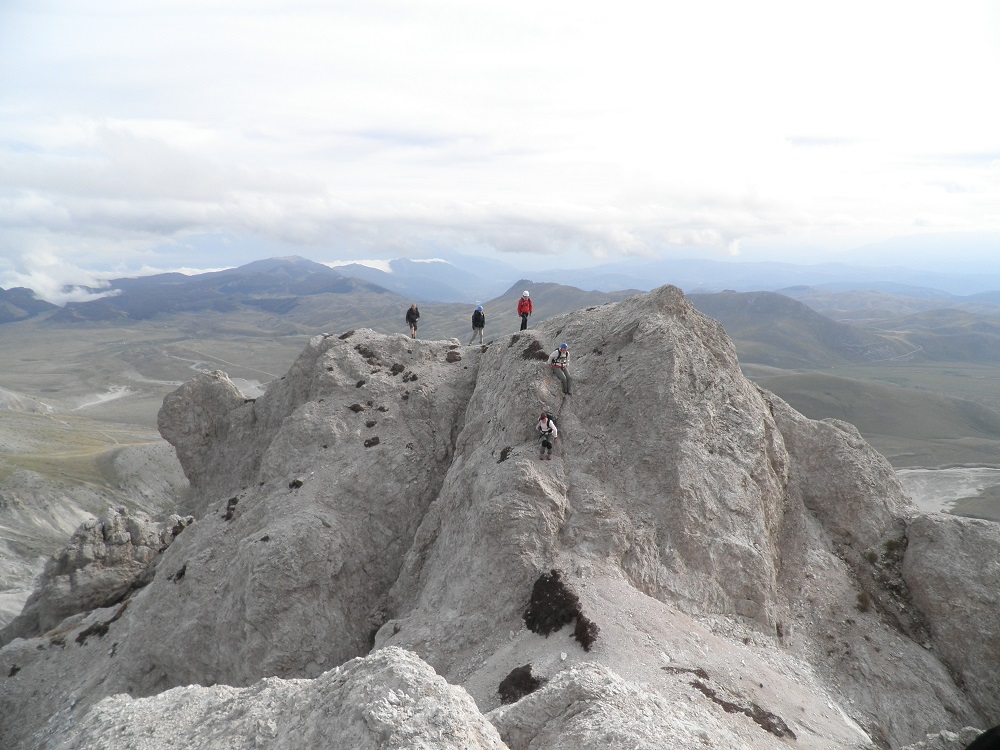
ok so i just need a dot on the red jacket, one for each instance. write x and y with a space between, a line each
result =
524 306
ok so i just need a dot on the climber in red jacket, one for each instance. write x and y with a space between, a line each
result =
524 309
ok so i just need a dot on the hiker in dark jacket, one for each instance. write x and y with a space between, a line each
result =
559 361
412 316
478 324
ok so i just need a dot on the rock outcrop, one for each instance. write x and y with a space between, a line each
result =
728 571
105 560
390 699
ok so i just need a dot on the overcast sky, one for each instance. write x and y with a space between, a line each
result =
207 133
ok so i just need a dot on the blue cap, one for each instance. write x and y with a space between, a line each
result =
563 346
479 309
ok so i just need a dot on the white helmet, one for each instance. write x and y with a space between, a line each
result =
525 294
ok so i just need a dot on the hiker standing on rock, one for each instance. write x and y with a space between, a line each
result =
559 361
478 324
549 434
412 316
524 308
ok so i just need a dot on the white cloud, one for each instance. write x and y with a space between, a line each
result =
403 127
55 280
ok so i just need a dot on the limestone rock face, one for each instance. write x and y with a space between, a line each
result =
954 574
388 700
730 572
104 560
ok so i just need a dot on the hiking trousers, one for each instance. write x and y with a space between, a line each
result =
563 374
475 332
524 321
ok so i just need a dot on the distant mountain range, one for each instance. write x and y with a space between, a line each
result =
274 283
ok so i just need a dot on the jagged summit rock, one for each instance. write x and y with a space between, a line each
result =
731 571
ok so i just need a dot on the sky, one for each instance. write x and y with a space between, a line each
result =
195 134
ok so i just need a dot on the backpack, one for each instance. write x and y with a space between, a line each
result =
547 437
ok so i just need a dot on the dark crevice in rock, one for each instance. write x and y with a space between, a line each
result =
519 683
100 629
765 719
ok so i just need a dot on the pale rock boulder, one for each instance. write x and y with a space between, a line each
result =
390 700
104 560
196 417
588 705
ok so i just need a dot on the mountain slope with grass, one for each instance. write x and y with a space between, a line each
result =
775 330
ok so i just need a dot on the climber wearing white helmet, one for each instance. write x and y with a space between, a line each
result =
524 308
559 361
478 324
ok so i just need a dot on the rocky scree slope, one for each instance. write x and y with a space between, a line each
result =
700 565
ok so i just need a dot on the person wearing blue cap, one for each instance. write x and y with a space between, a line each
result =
559 361
478 324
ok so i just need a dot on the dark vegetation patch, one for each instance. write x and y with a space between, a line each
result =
346 335
453 357
513 340
295 484
765 719
405 396
372 442
356 408
383 408
504 454
13 670
370 423
409 377
181 572
182 523
534 350
397 368
266 538
586 631
359 384
100 629
249 400
519 683
230 508
370 356
699 672
553 605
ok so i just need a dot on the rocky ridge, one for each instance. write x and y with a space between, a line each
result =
737 574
